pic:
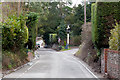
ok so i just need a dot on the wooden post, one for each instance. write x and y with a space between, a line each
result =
85 12
105 59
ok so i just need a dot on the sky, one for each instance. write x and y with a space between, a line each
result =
76 2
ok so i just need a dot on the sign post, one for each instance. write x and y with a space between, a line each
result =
68 37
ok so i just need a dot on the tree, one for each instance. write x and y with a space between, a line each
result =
32 28
79 18
62 31
49 17
52 15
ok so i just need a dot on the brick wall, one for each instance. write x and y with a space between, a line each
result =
110 63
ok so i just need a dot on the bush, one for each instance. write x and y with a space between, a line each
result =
61 32
76 40
103 17
14 33
53 38
32 28
65 43
114 40
11 60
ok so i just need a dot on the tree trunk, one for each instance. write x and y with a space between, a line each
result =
19 8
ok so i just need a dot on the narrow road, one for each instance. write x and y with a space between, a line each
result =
52 64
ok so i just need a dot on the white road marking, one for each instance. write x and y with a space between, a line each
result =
77 61
86 68
26 70
74 62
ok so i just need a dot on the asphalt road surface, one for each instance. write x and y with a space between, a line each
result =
52 64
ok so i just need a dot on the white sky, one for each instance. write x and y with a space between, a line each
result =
76 2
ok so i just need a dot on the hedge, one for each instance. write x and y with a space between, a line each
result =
104 15
94 22
32 28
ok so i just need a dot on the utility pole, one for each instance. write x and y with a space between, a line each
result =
28 5
85 12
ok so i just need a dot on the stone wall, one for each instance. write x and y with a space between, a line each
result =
102 63
110 63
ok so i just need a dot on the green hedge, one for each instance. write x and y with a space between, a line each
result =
94 22
104 15
32 28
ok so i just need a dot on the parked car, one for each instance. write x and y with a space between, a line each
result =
47 46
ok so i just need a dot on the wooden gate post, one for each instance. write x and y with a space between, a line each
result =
105 59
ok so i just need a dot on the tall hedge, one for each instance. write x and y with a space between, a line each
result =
104 15
32 28
94 22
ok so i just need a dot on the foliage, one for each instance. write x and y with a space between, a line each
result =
79 12
12 60
65 43
94 22
49 18
14 33
10 66
114 40
53 38
79 18
52 13
32 28
63 49
103 17
77 40
62 31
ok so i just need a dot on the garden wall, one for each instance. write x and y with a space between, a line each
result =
110 63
